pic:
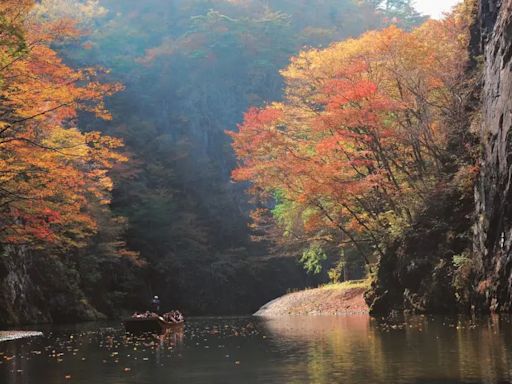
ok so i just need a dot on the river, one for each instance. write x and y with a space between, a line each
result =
320 350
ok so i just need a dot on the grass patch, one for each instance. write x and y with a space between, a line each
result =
348 284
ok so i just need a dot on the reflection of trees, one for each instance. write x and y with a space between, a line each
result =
484 350
414 349
339 349
169 339
442 350
172 336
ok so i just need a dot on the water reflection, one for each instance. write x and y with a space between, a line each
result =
320 350
408 350
89 353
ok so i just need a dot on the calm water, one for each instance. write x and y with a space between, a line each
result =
247 350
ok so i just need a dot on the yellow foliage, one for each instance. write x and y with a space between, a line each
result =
49 170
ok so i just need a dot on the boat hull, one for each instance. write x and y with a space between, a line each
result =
151 325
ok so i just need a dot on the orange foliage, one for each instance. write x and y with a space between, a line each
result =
49 170
360 138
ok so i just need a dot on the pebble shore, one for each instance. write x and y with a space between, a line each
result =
14 335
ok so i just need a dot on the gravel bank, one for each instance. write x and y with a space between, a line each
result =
329 300
14 335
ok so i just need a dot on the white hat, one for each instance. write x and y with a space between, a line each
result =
156 297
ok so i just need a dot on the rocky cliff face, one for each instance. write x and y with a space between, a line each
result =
16 288
493 228
37 290
417 273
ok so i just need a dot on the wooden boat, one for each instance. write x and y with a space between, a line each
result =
154 324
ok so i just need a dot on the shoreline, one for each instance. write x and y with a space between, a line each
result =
330 300
16 335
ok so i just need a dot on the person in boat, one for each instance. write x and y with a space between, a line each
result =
155 304
173 317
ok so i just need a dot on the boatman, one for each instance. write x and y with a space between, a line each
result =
155 304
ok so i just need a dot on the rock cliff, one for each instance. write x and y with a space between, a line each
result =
417 273
493 228
37 290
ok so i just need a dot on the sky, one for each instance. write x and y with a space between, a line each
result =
435 8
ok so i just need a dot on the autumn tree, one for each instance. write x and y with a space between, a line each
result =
50 172
360 141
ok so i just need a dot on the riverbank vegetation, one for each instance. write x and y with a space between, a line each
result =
361 140
55 184
371 133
